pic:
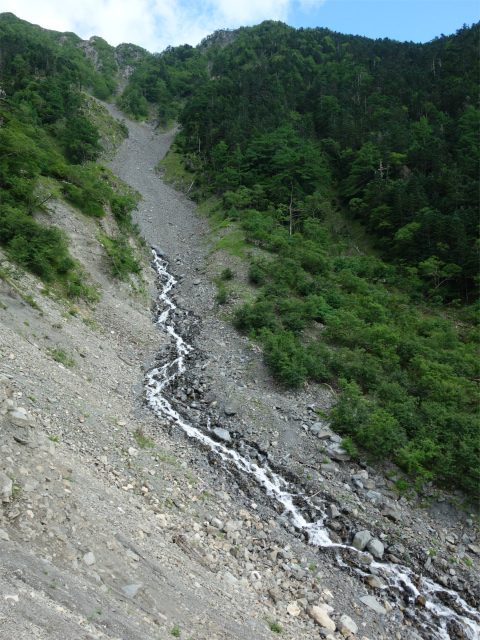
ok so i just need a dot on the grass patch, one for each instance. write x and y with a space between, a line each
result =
222 293
61 356
143 441
212 209
90 323
173 169
233 243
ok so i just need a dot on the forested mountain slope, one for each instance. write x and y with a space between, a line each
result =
303 134
49 140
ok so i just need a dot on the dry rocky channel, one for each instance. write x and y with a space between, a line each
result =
113 524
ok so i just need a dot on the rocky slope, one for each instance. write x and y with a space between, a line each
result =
114 525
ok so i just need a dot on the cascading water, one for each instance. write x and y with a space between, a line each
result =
401 582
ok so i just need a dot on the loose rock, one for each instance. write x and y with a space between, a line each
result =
361 539
374 604
20 417
321 617
6 487
131 590
376 548
347 626
89 559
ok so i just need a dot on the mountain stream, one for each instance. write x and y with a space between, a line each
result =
444 613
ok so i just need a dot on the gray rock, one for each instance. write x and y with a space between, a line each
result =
347 626
392 514
293 609
131 590
332 511
375 497
89 559
357 482
160 253
222 434
30 485
321 430
20 417
4 535
365 558
230 410
375 582
22 435
229 579
361 539
374 604
329 467
232 526
275 594
197 282
6 487
376 548
217 523
337 452
334 437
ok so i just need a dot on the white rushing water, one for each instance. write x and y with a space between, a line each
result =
432 619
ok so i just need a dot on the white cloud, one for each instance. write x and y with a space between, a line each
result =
153 24
250 11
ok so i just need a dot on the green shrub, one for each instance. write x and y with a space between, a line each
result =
122 207
222 293
285 356
226 274
82 199
42 250
252 317
60 355
381 434
258 272
121 256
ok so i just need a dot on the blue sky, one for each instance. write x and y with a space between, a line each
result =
155 24
417 20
